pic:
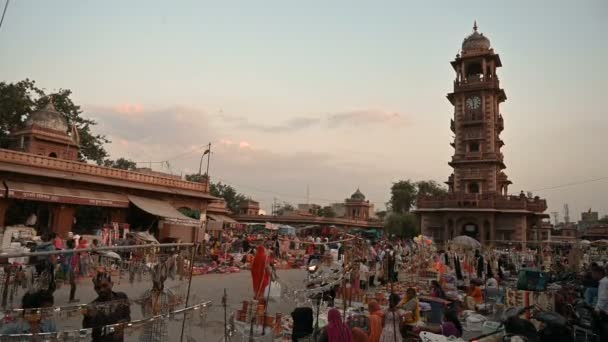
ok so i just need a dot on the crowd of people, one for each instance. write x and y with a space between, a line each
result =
107 309
381 262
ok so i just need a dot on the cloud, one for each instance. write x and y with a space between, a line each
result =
363 117
153 134
334 120
291 125
129 109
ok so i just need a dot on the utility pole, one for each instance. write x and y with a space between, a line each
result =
200 165
274 206
307 194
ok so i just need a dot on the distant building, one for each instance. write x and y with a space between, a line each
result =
357 207
249 207
590 216
598 231
339 209
304 209
46 133
354 212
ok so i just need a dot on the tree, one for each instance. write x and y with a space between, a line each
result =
604 219
401 224
403 196
195 177
232 197
120 163
328 212
228 193
17 100
405 192
284 208
430 188
381 214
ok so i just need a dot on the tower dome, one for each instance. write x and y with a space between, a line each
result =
475 42
358 195
48 117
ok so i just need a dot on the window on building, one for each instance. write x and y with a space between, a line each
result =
474 147
474 71
473 188
53 155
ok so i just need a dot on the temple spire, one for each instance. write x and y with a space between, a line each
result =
475 26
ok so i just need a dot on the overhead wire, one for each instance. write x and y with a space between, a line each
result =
571 184
4 12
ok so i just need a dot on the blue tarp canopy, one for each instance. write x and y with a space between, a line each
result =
287 229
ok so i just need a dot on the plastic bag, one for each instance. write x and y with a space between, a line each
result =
275 290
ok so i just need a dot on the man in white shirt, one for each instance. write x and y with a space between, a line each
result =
363 275
601 308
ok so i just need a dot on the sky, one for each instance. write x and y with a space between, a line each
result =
323 97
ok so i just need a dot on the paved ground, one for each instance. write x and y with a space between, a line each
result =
204 287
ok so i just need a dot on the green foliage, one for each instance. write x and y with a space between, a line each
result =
284 208
193 214
320 211
195 177
381 214
430 188
120 163
19 99
604 219
401 224
328 212
225 191
229 194
403 196
405 192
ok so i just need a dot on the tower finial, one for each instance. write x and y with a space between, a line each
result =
475 26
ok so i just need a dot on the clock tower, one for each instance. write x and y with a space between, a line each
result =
477 203
477 161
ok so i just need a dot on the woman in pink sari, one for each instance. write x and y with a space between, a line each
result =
337 331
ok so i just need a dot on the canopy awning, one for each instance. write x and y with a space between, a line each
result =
215 225
221 218
163 210
58 194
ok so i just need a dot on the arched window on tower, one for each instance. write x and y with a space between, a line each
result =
53 155
474 72
474 147
473 188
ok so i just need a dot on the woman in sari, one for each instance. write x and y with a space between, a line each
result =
337 331
260 272
392 321
411 306
375 321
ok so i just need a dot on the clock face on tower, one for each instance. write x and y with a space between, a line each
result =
473 102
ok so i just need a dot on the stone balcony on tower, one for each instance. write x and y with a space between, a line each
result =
483 201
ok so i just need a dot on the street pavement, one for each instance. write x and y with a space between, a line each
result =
209 287
204 287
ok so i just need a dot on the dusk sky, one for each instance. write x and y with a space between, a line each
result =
331 94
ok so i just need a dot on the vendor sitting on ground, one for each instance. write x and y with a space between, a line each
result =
450 326
475 295
411 306
437 290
